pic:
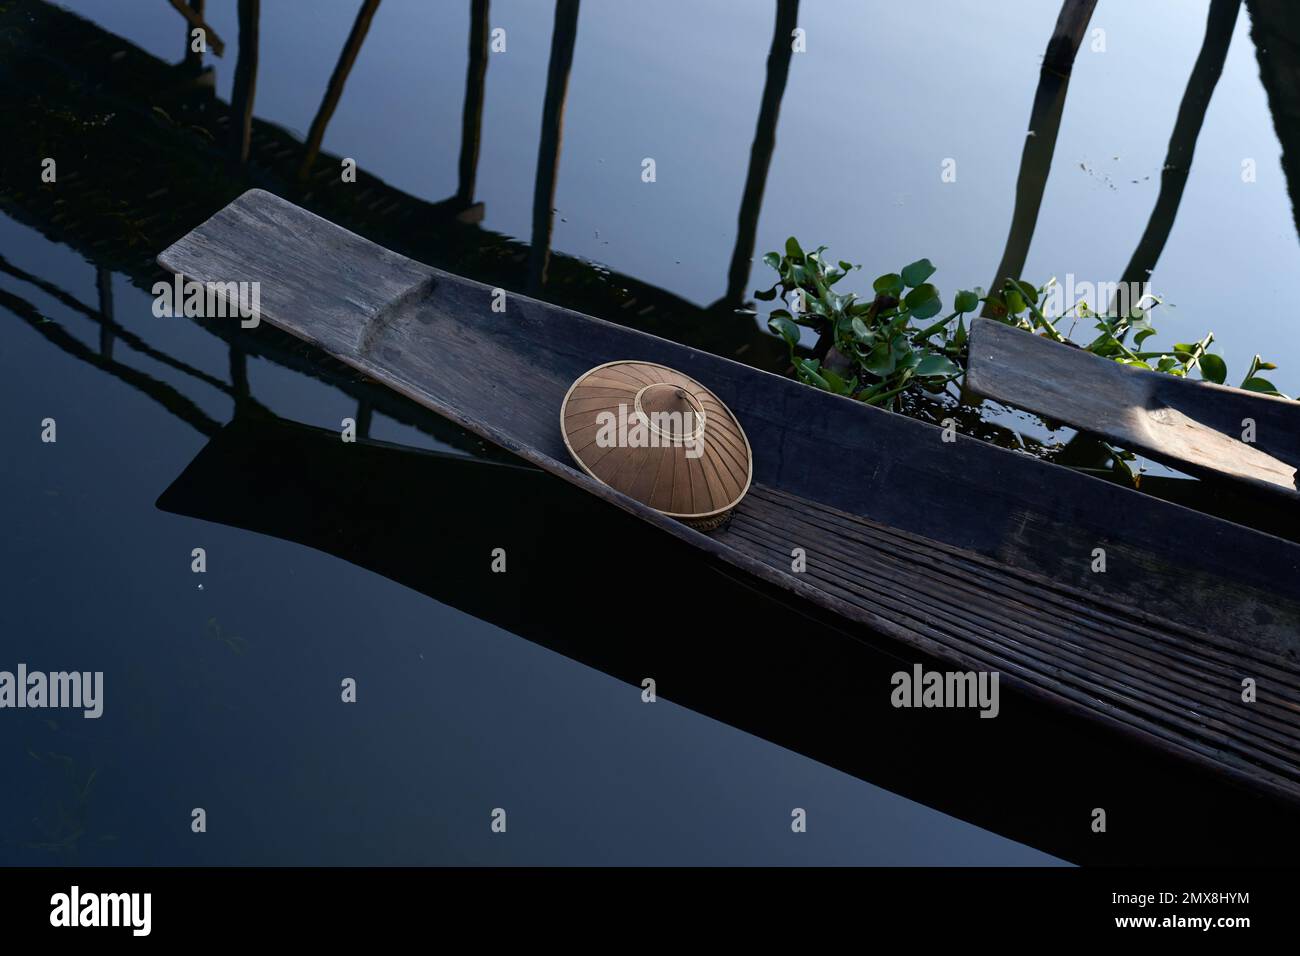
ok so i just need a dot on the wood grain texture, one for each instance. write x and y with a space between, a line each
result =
1167 682
1192 426
852 485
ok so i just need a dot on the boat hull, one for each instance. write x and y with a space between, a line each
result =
971 554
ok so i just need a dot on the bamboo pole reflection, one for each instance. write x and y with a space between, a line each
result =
563 40
760 153
334 91
1275 31
471 125
245 87
193 14
1040 141
1182 143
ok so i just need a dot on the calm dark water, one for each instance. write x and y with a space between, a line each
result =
222 689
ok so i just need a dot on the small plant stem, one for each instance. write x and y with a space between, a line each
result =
1047 326
1120 462
937 326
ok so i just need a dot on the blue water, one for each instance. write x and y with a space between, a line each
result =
226 696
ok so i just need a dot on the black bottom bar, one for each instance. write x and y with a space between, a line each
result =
214 905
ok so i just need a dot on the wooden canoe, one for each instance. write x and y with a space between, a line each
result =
1193 426
966 553
369 503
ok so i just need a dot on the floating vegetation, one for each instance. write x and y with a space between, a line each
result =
233 641
878 350
874 349
1022 305
868 349
62 828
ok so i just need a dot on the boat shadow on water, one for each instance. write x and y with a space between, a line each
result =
749 657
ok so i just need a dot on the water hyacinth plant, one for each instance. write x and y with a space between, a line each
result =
1121 337
868 349
874 349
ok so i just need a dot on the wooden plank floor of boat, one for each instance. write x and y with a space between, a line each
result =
974 554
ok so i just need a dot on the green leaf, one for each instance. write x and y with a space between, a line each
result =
1026 289
880 361
837 384
862 333
1258 384
891 284
927 309
847 266
808 370
923 295
918 272
903 354
773 259
780 323
792 248
965 301
935 364
1213 368
1121 467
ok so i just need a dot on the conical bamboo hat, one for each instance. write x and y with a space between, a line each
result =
660 437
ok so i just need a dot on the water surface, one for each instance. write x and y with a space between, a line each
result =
225 695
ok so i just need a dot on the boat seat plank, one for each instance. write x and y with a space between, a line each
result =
1193 426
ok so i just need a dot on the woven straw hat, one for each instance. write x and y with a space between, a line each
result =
660 437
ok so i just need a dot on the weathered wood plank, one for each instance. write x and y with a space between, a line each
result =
1197 600
1192 426
1020 624
435 338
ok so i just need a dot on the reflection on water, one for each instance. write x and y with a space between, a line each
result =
515 158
